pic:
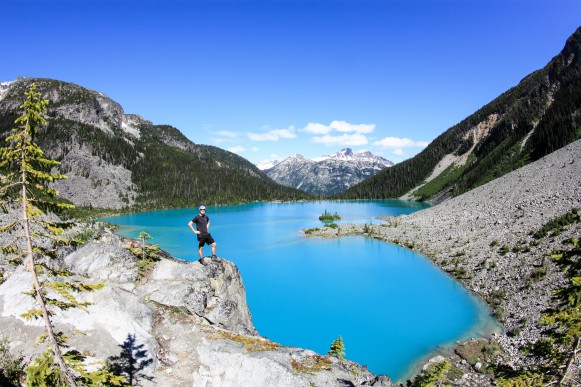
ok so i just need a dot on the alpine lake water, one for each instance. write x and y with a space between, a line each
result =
392 306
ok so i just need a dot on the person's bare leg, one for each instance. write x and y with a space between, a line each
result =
214 249
200 252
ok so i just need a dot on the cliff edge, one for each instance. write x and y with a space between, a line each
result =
191 320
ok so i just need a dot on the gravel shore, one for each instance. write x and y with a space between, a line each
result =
483 238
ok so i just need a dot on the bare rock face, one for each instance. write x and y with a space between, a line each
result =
214 292
92 181
100 111
191 320
92 178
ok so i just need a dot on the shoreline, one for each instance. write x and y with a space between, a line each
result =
485 328
485 239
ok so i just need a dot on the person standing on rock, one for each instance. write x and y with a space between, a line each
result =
202 230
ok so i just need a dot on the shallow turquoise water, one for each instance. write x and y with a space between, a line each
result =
391 306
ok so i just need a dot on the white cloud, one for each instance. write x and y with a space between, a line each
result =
316 128
397 142
399 152
237 149
339 126
274 156
273 135
342 140
226 133
342 126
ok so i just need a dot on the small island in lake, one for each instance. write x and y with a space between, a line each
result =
328 217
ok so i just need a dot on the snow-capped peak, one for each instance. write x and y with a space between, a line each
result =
348 155
327 175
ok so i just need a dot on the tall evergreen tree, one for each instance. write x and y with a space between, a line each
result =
25 174
25 185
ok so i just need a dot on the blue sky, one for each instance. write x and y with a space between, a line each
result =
269 79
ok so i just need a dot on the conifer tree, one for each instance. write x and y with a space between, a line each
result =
25 174
436 376
337 348
131 361
143 236
25 184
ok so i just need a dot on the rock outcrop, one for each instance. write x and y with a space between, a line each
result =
191 320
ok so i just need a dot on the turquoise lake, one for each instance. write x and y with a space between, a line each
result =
391 306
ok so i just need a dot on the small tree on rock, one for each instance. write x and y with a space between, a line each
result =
337 348
435 376
143 236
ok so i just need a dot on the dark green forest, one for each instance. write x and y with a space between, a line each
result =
538 116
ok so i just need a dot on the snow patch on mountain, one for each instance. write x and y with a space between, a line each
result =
4 86
327 175
266 164
130 124
348 155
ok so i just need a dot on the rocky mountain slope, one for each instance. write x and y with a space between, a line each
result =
539 115
327 175
486 239
117 160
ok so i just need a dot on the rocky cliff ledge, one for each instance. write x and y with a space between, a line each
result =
191 319
483 238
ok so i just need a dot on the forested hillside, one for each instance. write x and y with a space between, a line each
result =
115 160
538 116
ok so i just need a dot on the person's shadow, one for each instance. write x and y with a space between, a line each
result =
131 361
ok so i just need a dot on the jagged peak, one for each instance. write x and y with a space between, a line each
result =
294 157
347 154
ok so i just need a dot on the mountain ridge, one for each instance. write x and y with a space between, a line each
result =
329 174
117 160
530 120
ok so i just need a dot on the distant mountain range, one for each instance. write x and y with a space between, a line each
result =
117 160
538 116
325 175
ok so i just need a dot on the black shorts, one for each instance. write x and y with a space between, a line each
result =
205 239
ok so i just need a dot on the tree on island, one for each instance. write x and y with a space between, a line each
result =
328 217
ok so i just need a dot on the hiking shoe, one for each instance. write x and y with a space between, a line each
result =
215 258
203 261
